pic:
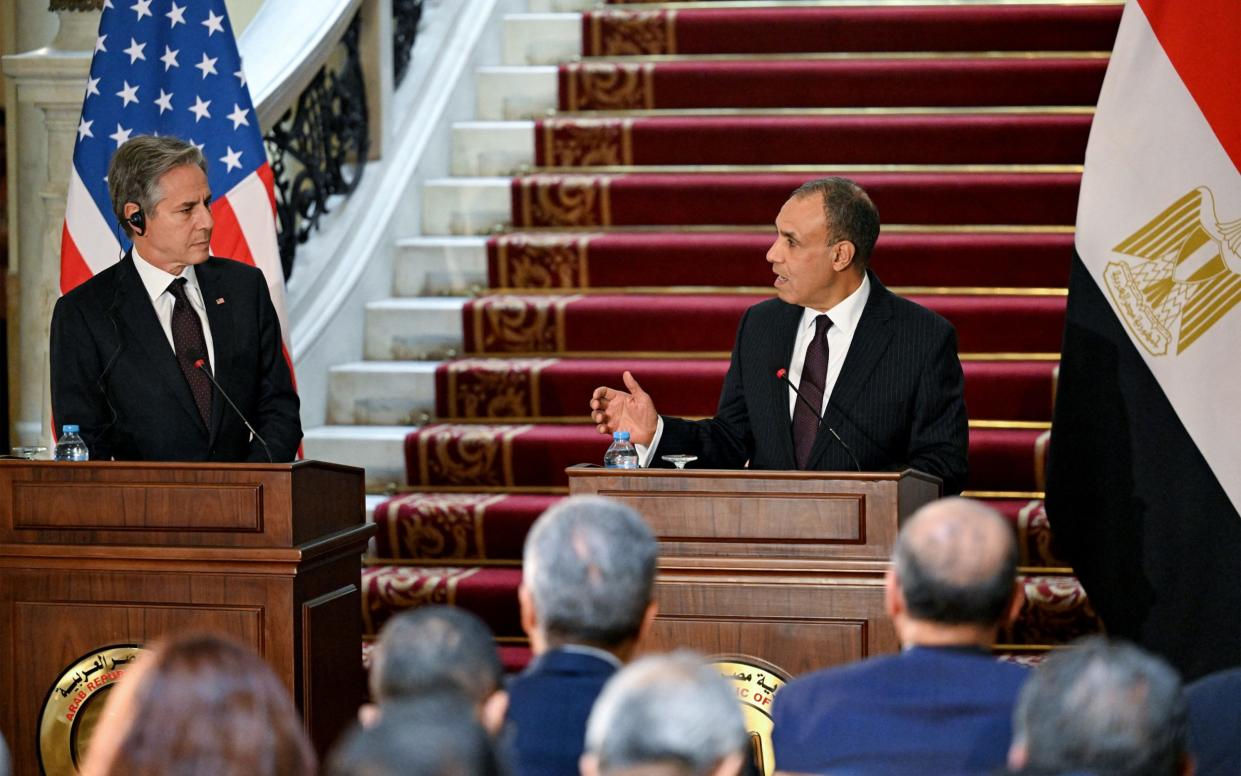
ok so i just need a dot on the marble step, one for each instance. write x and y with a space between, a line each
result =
507 93
542 38
389 393
440 266
380 450
419 329
465 206
561 6
492 148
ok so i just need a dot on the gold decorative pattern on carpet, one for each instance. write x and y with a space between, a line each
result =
1040 460
626 33
388 589
525 261
472 455
520 324
1056 612
1034 539
610 86
495 387
566 200
588 142
438 526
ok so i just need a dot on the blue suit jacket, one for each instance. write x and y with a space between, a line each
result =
548 706
925 710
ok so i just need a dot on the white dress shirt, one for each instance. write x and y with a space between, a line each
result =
156 282
845 316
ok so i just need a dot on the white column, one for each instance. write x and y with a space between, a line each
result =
46 88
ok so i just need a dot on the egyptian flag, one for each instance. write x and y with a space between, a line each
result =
1144 479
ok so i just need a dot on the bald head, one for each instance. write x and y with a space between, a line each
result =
955 561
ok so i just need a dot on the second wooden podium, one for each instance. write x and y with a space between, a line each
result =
783 567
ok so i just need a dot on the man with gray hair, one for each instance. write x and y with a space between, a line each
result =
586 601
1102 707
666 715
943 705
149 355
432 651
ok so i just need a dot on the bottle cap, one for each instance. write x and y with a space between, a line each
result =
620 436
68 428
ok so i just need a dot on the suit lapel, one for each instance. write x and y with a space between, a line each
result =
221 322
871 339
139 319
785 332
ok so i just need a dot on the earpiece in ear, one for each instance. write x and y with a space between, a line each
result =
138 222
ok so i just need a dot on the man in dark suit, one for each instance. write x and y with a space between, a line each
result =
881 371
586 601
131 347
943 705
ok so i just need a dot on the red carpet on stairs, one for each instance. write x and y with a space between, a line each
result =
546 390
666 199
653 204
877 28
707 323
731 259
945 138
957 80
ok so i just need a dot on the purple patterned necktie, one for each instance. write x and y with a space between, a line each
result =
190 344
813 377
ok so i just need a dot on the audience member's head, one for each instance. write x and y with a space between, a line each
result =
850 215
438 649
1101 707
954 575
666 715
4 758
435 735
588 577
199 705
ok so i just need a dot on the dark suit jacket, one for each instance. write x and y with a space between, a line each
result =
108 349
1215 723
548 706
925 710
898 402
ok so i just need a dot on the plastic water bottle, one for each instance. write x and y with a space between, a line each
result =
621 454
70 447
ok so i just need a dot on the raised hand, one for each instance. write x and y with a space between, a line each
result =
631 411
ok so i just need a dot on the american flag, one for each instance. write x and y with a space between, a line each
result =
169 68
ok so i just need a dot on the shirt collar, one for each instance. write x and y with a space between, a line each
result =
847 312
156 280
582 649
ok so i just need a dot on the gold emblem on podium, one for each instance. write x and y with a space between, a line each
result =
1187 277
756 683
73 705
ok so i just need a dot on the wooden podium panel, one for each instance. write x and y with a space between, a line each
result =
784 567
97 554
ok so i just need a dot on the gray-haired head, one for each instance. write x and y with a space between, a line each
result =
1103 707
4 758
670 710
137 166
589 564
433 649
956 562
850 213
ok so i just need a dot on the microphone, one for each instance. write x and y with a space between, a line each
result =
201 363
783 376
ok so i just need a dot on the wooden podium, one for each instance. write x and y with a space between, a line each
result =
94 554
785 567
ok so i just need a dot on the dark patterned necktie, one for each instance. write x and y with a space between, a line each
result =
190 344
813 378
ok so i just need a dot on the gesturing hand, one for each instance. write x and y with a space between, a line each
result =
614 410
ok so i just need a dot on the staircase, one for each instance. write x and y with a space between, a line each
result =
610 209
